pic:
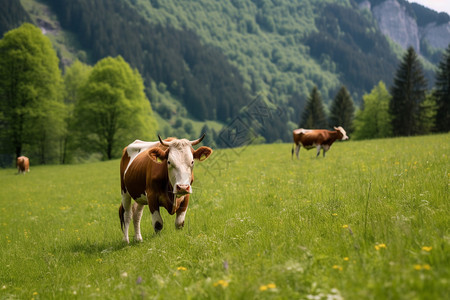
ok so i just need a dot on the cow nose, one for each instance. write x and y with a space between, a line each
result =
183 188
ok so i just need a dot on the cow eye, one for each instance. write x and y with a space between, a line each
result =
168 162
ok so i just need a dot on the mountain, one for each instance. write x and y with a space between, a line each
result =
213 57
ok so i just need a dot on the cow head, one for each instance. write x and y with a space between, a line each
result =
179 157
342 132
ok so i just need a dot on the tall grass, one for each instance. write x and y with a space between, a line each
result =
369 221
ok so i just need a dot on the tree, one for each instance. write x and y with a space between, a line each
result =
408 93
374 120
342 110
112 110
313 116
76 76
31 105
442 93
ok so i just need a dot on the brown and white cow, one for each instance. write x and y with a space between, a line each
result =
317 138
157 174
23 164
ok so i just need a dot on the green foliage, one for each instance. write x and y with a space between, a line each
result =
30 103
408 93
367 222
313 116
112 110
342 110
75 77
442 93
373 120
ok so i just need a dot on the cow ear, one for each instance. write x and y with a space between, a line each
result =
157 154
202 153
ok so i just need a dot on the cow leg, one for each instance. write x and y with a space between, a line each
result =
126 203
181 213
137 215
297 149
318 150
325 149
157 221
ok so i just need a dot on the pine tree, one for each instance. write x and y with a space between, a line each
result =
408 93
313 116
442 93
342 110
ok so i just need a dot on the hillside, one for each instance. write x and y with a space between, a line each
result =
211 58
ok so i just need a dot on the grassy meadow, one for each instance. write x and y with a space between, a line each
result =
369 221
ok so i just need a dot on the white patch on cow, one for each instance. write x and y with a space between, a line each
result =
137 215
156 217
136 148
126 203
344 134
179 221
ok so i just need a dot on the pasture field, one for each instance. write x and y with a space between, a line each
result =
369 221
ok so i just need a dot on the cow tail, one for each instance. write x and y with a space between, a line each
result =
121 216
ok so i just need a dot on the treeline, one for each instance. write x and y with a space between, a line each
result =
88 112
199 75
408 109
12 16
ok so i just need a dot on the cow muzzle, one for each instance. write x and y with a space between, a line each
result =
183 189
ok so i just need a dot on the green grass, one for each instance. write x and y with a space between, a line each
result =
258 226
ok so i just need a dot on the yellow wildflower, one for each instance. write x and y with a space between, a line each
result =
345 226
334 214
181 269
269 286
222 283
426 248
417 267
426 267
346 258
380 246
336 267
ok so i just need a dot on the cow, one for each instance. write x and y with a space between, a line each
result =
23 164
157 174
317 138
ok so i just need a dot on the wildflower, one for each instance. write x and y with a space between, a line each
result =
99 260
336 267
426 267
270 286
346 258
181 269
334 214
345 226
426 248
417 267
380 246
222 283
35 293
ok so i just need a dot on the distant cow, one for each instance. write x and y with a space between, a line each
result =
157 174
317 138
23 164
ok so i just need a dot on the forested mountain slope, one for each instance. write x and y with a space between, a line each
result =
214 57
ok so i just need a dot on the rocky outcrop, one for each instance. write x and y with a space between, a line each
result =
397 24
437 36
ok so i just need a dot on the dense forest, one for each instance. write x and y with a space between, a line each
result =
248 64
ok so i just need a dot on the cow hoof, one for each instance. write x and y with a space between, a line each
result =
158 227
179 226
126 240
138 238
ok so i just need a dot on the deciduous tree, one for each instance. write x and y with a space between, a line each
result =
112 110
373 120
31 105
